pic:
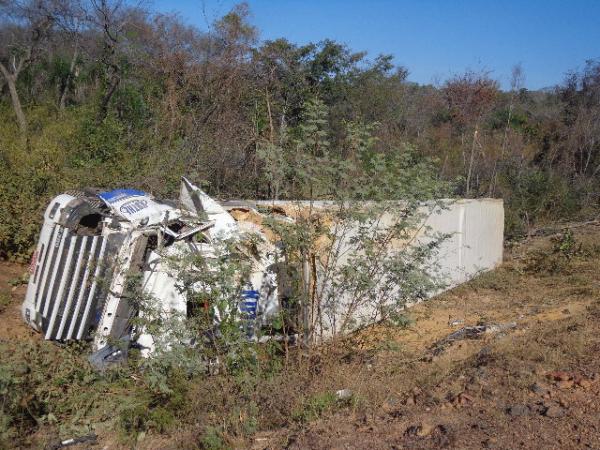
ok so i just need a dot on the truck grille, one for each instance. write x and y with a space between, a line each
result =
70 283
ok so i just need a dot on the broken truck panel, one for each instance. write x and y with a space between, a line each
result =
195 200
135 206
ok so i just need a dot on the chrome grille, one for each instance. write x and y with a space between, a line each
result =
71 281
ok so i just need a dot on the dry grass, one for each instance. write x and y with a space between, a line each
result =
402 395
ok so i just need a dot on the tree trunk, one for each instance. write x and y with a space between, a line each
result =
63 95
106 100
494 178
307 318
471 160
11 80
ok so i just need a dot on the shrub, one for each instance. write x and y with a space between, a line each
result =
534 197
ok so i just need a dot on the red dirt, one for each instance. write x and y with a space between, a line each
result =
10 318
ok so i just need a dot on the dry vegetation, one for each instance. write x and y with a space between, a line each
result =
533 386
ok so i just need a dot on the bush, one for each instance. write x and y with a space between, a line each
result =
558 258
535 197
71 151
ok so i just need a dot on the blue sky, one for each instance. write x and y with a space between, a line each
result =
433 39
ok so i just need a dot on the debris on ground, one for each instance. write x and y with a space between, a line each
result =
566 380
519 410
472 332
539 389
86 439
554 412
343 394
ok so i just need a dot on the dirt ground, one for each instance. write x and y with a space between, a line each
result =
536 385
532 380
12 291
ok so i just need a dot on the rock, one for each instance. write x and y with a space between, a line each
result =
392 407
490 442
539 389
424 430
420 430
586 384
518 410
559 375
564 384
554 412
463 399
344 394
538 408
412 430
410 401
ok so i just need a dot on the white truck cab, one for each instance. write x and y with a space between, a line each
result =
92 241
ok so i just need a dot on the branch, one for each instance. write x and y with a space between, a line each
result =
554 229
4 71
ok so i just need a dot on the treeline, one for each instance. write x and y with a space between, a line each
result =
106 94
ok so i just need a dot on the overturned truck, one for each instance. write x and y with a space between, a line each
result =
93 242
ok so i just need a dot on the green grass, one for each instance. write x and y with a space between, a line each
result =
5 300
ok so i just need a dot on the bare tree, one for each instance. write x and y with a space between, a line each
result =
25 29
516 83
110 17
470 97
71 18
581 96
